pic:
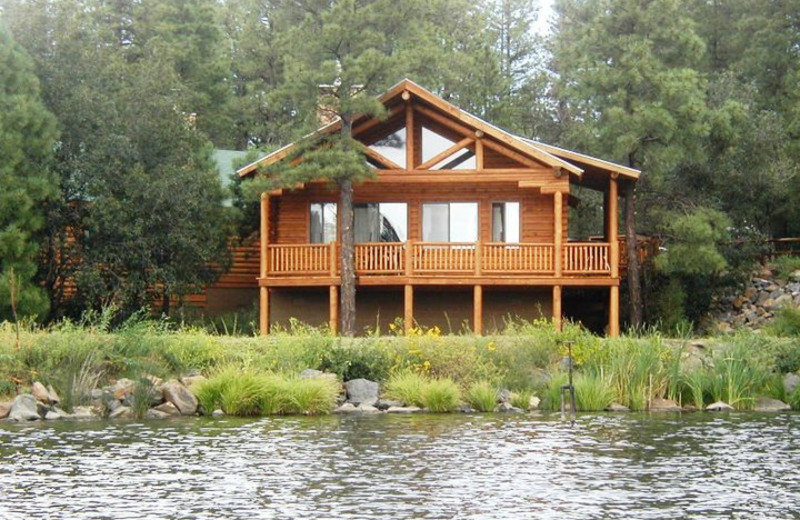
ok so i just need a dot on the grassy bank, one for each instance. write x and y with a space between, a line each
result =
449 369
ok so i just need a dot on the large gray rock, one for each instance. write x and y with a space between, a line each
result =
168 408
362 391
180 396
5 409
367 408
122 389
347 408
53 415
123 412
190 381
24 408
84 412
403 409
719 406
790 382
40 392
156 414
54 397
766 404
664 405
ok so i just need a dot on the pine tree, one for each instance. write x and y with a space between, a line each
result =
27 135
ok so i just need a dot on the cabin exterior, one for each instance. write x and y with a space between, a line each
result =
462 221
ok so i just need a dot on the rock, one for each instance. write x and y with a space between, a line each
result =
157 381
167 408
346 408
790 382
403 409
24 408
719 406
190 381
362 391
84 412
367 408
152 413
751 293
724 327
794 276
123 412
53 415
504 395
96 393
737 303
534 402
664 405
180 396
122 388
5 409
507 408
217 414
766 404
464 408
690 408
782 300
40 393
310 373
385 404
54 398
616 407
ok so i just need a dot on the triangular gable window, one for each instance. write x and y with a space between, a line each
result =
434 143
393 147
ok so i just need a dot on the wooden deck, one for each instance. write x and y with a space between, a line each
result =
401 263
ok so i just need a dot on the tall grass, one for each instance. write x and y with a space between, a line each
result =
482 396
592 393
441 395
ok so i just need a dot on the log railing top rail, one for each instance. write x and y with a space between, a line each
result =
446 258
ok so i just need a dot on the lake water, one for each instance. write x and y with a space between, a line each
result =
632 466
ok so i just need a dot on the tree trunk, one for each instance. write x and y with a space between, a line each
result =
347 293
634 276
165 301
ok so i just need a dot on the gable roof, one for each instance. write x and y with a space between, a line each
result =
548 155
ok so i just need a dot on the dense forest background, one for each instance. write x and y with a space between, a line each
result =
109 111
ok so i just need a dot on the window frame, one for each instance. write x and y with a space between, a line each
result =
519 220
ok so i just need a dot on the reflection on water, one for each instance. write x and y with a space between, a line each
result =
420 466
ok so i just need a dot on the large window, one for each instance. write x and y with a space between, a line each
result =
450 222
381 222
323 223
505 222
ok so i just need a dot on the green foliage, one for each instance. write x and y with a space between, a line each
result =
786 265
592 393
308 396
27 134
370 359
441 395
786 322
521 399
406 387
482 396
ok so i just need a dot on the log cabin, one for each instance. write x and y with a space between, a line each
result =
461 223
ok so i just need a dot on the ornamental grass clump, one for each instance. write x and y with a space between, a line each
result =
592 393
441 395
482 396
406 387
308 396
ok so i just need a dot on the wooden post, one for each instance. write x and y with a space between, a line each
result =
478 150
558 235
477 311
409 258
333 258
613 312
408 308
557 307
264 233
333 320
263 310
613 226
478 257
411 142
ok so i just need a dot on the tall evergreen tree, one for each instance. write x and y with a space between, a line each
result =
27 136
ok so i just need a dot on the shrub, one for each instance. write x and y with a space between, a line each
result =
441 395
592 393
406 386
786 265
368 358
522 399
482 396
786 322
308 396
737 375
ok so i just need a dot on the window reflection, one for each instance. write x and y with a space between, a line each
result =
505 222
381 222
450 222
393 147
322 222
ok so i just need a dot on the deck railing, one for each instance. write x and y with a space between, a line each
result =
431 258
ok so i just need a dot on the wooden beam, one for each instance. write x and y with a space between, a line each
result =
479 154
447 176
613 226
444 121
388 280
558 210
408 308
557 307
410 140
360 128
263 310
333 318
613 311
433 161
477 311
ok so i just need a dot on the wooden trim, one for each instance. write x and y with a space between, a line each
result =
333 309
558 211
444 121
369 124
411 142
477 309
408 308
612 168
557 312
479 154
263 310
444 280
613 311
433 161
449 176
511 154
264 233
